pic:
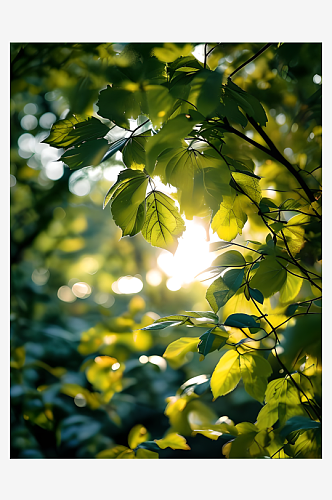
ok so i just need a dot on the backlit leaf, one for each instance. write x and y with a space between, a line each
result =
172 133
118 451
169 52
163 223
89 153
174 441
226 375
177 350
156 102
138 434
133 154
248 184
292 285
118 105
222 289
231 258
230 218
74 130
142 453
127 196
269 277
255 371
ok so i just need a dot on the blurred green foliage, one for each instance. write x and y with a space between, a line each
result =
86 381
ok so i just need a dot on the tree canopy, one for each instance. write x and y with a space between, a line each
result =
189 148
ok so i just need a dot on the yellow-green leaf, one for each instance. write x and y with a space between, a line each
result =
117 452
226 374
292 285
255 371
269 277
137 435
133 154
74 130
174 441
142 453
163 224
176 351
230 218
249 185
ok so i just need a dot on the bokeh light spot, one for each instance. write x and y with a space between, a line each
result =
40 276
65 294
154 277
174 284
30 108
81 290
29 122
127 285
54 170
80 400
46 120
12 180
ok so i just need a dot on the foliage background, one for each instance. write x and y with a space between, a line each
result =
55 316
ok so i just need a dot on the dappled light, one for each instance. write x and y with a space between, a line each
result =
166 258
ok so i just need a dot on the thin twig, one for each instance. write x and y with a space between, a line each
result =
263 49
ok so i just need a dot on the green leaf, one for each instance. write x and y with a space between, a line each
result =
249 184
222 289
230 218
231 258
174 441
209 93
148 445
182 168
240 320
163 223
156 102
74 130
169 52
118 105
133 154
128 207
291 309
204 314
161 325
171 135
255 371
269 277
248 103
226 375
256 295
138 434
298 423
88 154
292 285
177 350
282 403
114 148
218 245
142 453
118 451
209 342
229 109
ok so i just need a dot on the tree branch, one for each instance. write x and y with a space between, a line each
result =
263 49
